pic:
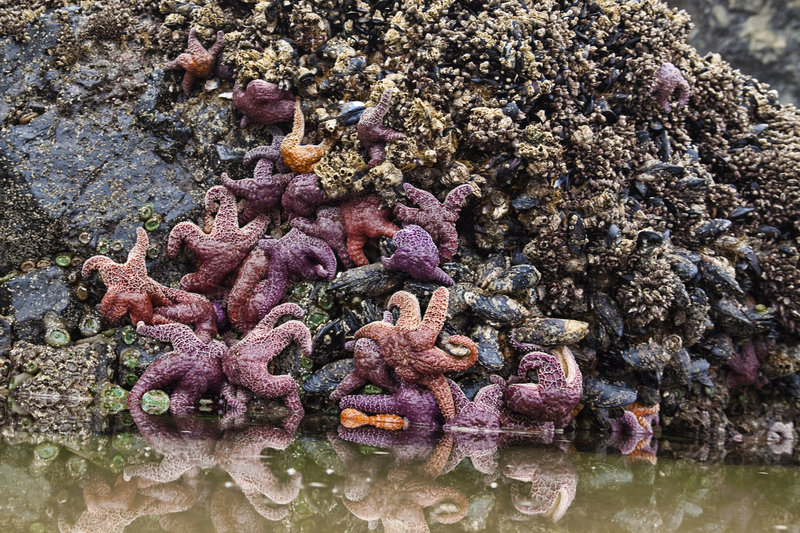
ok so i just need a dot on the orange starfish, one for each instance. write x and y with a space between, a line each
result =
409 346
302 158
363 220
197 61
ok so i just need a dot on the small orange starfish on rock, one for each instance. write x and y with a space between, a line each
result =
409 346
302 158
197 61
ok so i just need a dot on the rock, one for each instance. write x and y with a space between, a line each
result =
551 331
325 380
31 295
367 281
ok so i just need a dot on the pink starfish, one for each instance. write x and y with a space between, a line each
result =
247 294
189 308
130 290
246 363
197 61
263 102
373 134
438 219
220 252
329 227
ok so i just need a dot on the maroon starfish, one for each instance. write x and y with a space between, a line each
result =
197 61
220 252
263 102
190 308
329 227
364 219
302 196
438 219
373 134
195 364
294 256
246 363
247 294
130 290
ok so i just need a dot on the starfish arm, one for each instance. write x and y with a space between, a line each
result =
274 286
455 198
351 382
96 262
370 403
305 225
448 248
218 44
193 44
273 513
115 304
459 398
383 104
407 215
355 249
136 264
377 154
227 219
375 331
441 392
242 188
187 82
182 61
439 276
182 231
387 134
163 371
409 309
268 322
254 230
180 336
434 318
263 152
261 92
421 197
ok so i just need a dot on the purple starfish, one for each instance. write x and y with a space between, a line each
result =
263 102
552 393
669 80
302 196
197 61
217 253
246 364
246 296
417 256
195 365
413 402
190 308
294 256
373 134
329 227
438 219
263 191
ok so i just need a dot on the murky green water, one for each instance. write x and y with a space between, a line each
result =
199 475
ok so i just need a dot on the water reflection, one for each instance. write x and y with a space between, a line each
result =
195 474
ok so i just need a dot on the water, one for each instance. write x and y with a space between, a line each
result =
203 474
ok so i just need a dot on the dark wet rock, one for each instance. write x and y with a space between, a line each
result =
600 393
708 230
551 331
31 295
490 354
329 341
720 348
497 309
683 267
367 281
719 276
5 348
290 361
457 271
515 279
325 380
608 313
728 314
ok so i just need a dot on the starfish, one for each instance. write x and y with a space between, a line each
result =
262 192
438 219
220 252
363 220
197 61
246 363
302 196
417 256
372 133
262 102
302 158
669 80
186 442
329 227
247 295
636 421
194 364
413 402
294 256
553 478
189 308
409 346
547 387
130 290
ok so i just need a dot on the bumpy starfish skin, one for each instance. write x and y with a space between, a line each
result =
409 346
130 290
636 421
189 308
669 80
557 392
194 365
413 402
373 134
417 256
246 296
197 61
329 227
263 191
246 363
438 219
302 158
553 478
363 220
262 102
294 256
302 196
217 253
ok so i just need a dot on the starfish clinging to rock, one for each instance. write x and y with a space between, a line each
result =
435 217
190 308
294 256
302 158
246 364
409 346
364 219
246 296
417 256
302 196
329 226
217 253
668 81
195 365
262 102
372 133
130 290
197 61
